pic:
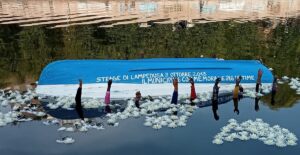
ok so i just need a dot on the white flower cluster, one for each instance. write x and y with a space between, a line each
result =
257 130
295 84
15 97
10 117
67 102
253 93
155 118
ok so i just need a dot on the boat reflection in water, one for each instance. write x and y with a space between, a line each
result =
120 105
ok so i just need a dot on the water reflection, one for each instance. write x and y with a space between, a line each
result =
107 109
82 119
57 13
256 105
274 90
25 51
284 97
230 40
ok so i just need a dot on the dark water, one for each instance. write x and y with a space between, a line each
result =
131 137
32 36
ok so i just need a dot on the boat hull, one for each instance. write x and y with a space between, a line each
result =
150 76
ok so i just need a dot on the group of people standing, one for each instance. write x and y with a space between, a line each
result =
236 94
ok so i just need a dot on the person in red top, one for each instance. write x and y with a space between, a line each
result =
107 95
193 91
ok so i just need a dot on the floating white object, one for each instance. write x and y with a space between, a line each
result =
83 129
294 87
266 91
61 129
181 123
66 140
217 141
2 123
285 77
156 126
148 124
172 125
70 129
270 135
4 103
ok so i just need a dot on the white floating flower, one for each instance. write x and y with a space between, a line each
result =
148 124
61 129
83 129
70 129
181 123
281 143
253 136
285 77
217 141
66 140
174 117
172 125
232 120
269 142
269 135
291 142
156 126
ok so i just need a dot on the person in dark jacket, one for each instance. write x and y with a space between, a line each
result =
215 98
78 101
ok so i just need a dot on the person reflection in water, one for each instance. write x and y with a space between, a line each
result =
258 81
78 101
236 96
193 91
215 98
274 90
107 109
256 106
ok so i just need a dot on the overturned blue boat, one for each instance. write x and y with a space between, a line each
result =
150 76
